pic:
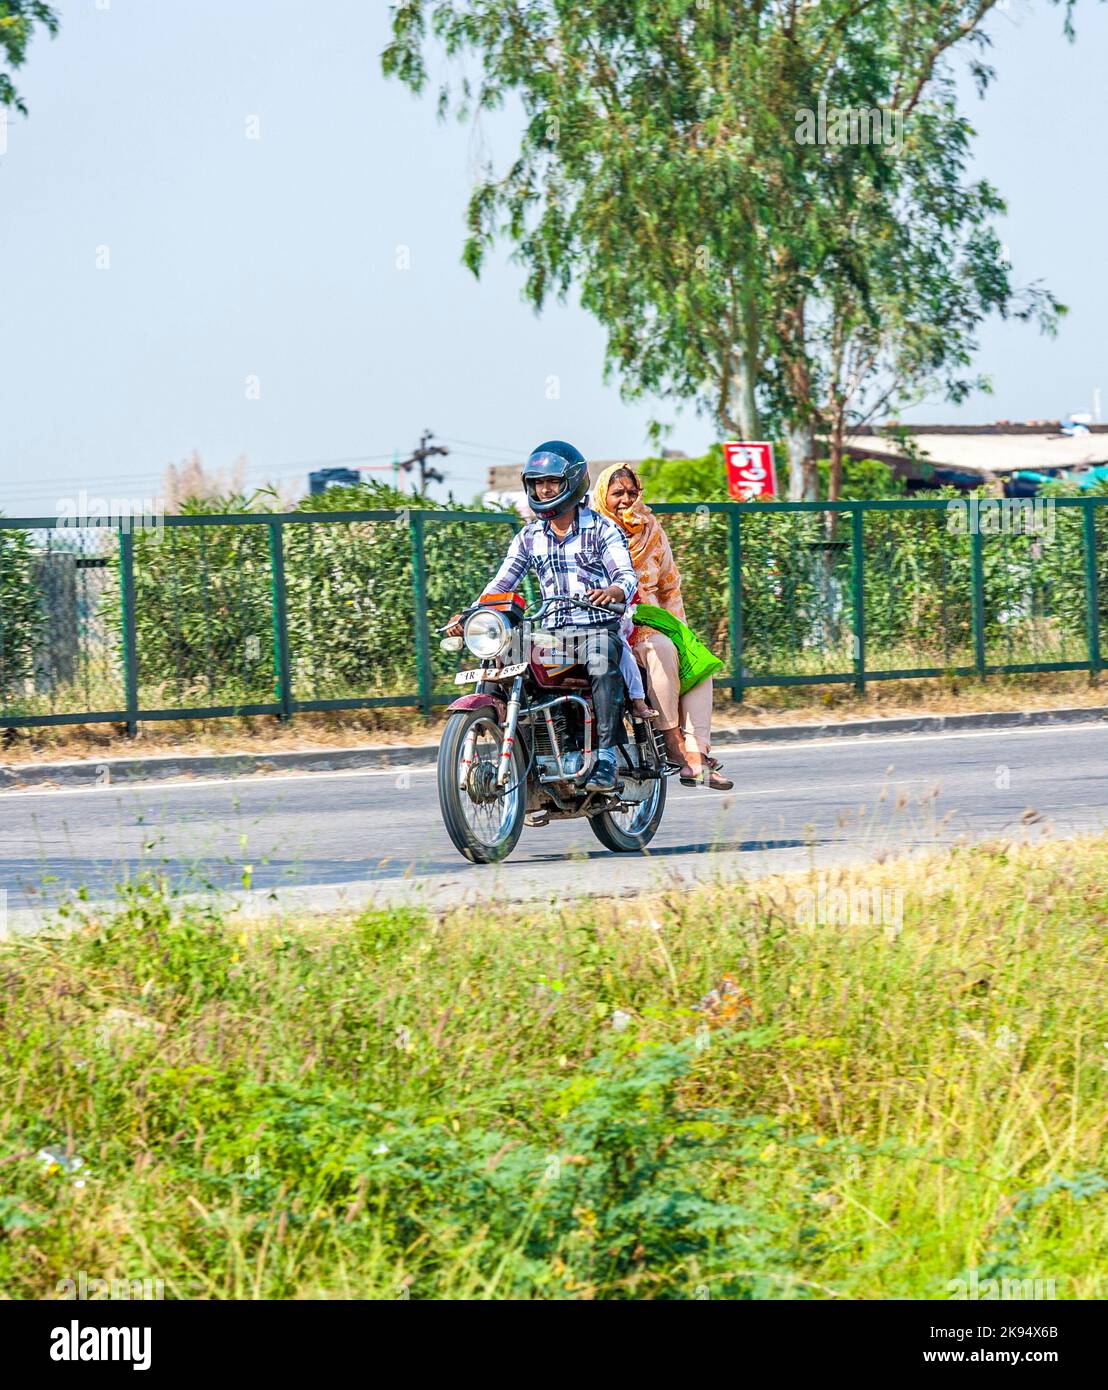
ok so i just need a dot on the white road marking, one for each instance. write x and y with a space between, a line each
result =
157 784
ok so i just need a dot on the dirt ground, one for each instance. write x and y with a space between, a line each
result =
807 704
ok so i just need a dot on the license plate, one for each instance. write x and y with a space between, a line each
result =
504 674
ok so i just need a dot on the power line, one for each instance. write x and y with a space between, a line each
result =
488 448
85 480
331 463
17 490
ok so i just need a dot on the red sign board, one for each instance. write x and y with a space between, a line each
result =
750 470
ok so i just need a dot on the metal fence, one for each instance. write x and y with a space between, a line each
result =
214 615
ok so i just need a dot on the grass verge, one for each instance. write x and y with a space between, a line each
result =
772 1090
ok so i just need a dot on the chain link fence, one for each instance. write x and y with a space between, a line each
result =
225 614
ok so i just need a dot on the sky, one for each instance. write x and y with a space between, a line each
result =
222 230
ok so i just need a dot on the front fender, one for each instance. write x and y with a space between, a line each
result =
479 701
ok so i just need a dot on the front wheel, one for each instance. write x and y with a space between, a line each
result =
483 822
631 830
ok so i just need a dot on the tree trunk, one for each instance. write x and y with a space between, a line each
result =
745 407
745 376
835 479
835 483
803 474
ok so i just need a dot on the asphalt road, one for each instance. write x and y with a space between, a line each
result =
318 839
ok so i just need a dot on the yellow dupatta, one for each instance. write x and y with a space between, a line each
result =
650 549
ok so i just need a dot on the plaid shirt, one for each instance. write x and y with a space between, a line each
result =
593 555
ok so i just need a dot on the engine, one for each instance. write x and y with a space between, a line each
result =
569 736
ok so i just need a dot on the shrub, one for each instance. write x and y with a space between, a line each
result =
19 615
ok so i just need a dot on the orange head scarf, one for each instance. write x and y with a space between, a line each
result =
650 552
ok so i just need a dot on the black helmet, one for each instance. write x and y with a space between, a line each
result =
556 459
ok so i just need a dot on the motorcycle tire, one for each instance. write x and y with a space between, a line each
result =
454 803
633 839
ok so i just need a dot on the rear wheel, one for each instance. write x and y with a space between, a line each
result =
628 831
483 821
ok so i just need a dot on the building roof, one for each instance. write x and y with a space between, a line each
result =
927 455
985 450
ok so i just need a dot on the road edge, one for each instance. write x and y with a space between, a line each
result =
90 772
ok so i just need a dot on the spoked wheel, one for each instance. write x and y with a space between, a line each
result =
633 829
483 821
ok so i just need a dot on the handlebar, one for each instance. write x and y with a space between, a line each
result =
610 610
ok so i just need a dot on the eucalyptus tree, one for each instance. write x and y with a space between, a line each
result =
663 171
892 313
18 19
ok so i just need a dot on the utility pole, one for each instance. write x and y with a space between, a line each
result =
426 450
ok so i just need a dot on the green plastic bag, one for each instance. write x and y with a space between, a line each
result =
695 662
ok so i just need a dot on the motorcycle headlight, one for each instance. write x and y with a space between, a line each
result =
486 633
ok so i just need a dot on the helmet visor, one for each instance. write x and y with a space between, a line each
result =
545 466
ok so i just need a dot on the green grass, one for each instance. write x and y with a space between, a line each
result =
531 1104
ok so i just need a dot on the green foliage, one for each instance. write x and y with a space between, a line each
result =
1059 565
733 261
167 952
17 22
1006 1258
547 1103
701 479
864 480
204 605
20 621
704 479
351 602
798 578
204 599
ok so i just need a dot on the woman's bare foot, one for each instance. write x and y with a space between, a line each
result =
675 747
700 770
643 710
705 776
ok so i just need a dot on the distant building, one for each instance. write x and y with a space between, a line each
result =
929 456
323 478
1014 457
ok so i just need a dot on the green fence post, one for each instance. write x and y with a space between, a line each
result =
419 594
130 643
978 575
281 663
735 552
1092 588
858 570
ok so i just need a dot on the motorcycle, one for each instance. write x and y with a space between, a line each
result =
519 749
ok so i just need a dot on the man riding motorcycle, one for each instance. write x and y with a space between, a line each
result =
573 551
